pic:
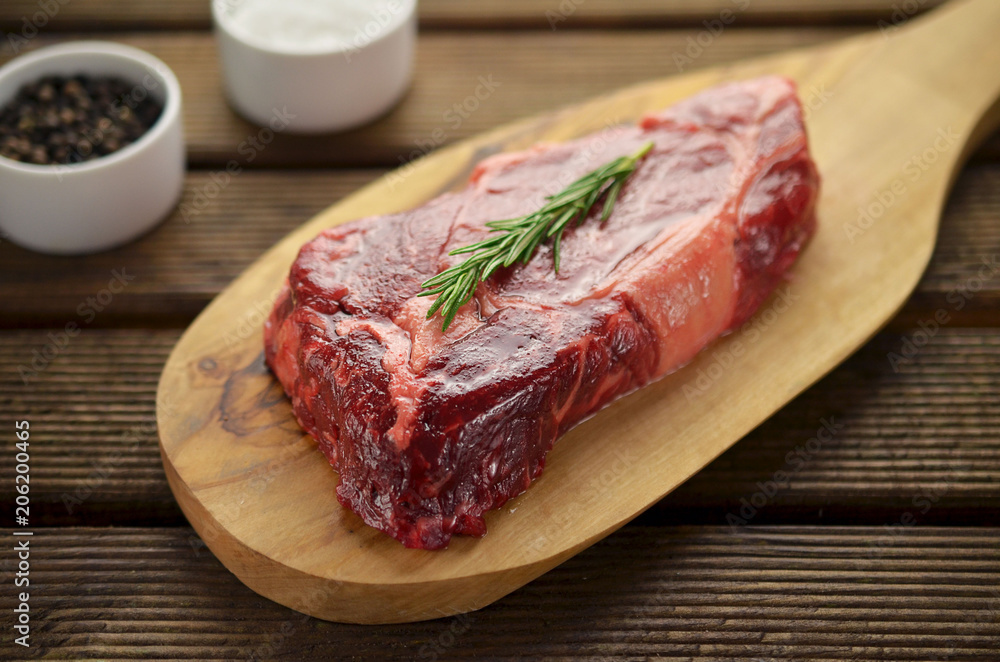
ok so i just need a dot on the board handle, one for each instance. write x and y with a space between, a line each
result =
954 52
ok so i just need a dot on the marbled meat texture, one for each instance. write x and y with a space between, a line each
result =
429 430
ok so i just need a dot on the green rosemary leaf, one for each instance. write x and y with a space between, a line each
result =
516 239
609 201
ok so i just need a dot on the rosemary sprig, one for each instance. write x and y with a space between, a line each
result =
515 240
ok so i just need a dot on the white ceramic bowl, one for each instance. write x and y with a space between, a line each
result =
312 90
94 205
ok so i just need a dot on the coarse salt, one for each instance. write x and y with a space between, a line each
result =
305 26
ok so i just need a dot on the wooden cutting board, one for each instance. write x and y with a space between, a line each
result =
891 117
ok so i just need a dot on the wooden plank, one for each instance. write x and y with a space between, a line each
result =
222 224
557 14
538 14
220 229
531 72
910 423
919 435
93 430
802 593
515 75
965 269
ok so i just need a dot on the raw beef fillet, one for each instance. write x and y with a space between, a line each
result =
430 430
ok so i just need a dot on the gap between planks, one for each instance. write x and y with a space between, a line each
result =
495 14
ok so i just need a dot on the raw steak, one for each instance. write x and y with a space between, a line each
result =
429 430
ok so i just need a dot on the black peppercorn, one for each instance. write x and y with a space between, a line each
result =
62 120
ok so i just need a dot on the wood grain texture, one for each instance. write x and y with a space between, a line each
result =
531 72
535 72
932 427
546 14
94 453
685 593
222 224
194 14
218 231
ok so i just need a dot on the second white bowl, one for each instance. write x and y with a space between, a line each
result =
305 90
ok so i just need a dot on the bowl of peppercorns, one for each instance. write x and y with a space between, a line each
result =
91 146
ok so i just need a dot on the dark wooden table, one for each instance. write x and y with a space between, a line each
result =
883 545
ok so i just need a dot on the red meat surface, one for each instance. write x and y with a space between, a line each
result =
429 430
